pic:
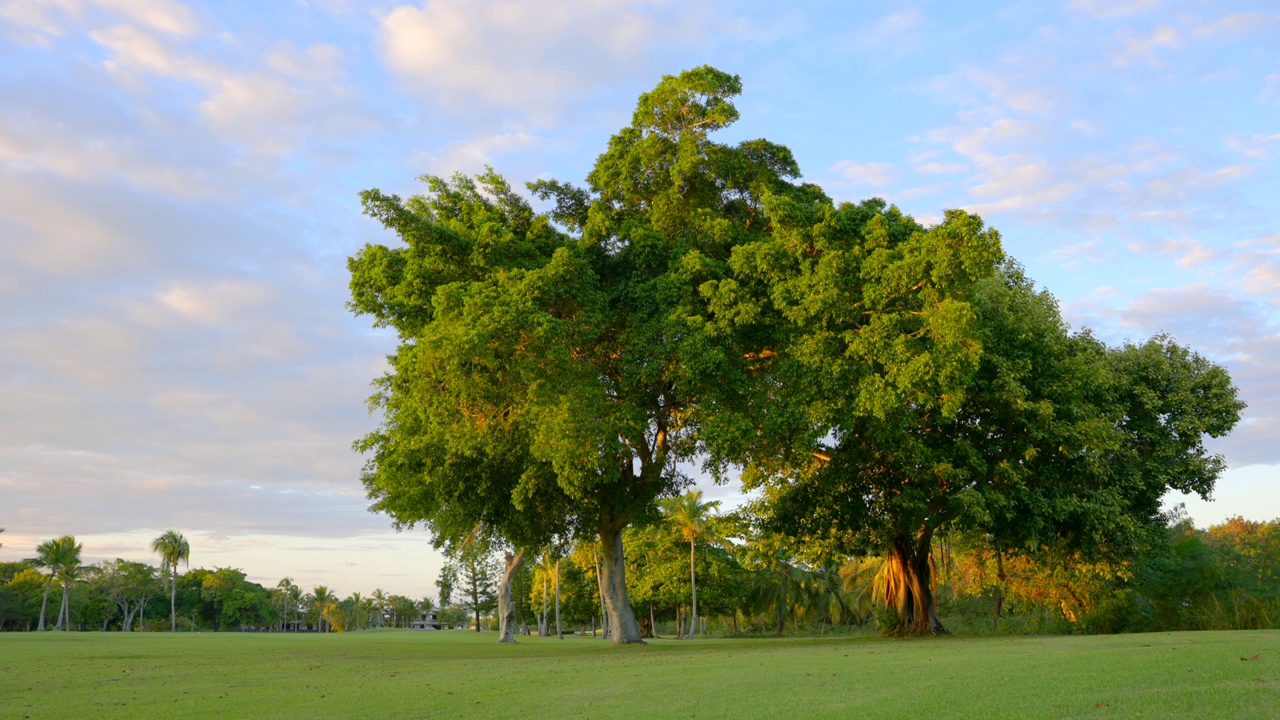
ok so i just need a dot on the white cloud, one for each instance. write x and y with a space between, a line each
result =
215 303
1240 23
1012 88
1191 253
473 154
1146 48
267 112
1258 145
870 174
321 62
57 235
38 16
526 55
54 17
1078 254
1263 280
161 15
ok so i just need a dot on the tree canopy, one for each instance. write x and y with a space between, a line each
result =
877 379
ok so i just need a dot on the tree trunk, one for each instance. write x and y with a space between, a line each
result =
623 627
604 615
507 609
546 595
909 585
44 604
559 631
653 626
995 623
693 588
173 598
64 615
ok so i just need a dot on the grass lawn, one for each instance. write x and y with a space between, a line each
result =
454 674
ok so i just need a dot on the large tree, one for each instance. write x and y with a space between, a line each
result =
999 419
129 585
552 368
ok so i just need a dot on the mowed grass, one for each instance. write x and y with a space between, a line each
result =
456 674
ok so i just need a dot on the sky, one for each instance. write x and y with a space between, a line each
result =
178 198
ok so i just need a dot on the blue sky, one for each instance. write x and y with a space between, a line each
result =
178 194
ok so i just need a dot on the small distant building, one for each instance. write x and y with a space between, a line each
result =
426 621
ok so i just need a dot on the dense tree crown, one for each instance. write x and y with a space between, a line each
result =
879 380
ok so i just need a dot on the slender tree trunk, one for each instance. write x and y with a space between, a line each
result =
995 623
653 626
44 604
506 609
546 594
909 585
604 614
693 588
65 614
559 631
173 598
623 627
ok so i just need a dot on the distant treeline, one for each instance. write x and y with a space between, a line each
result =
125 595
1182 578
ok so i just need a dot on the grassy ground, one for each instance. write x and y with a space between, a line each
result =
454 674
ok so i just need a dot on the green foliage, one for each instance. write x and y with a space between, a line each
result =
473 572
878 381
224 599
547 384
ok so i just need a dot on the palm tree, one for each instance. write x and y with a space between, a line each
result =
321 597
691 519
173 547
284 586
68 572
52 554
356 599
294 595
380 599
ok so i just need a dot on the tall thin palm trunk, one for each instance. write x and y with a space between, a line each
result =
173 598
693 587
44 604
559 631
542 625
64 614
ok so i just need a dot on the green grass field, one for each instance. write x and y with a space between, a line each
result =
455 674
